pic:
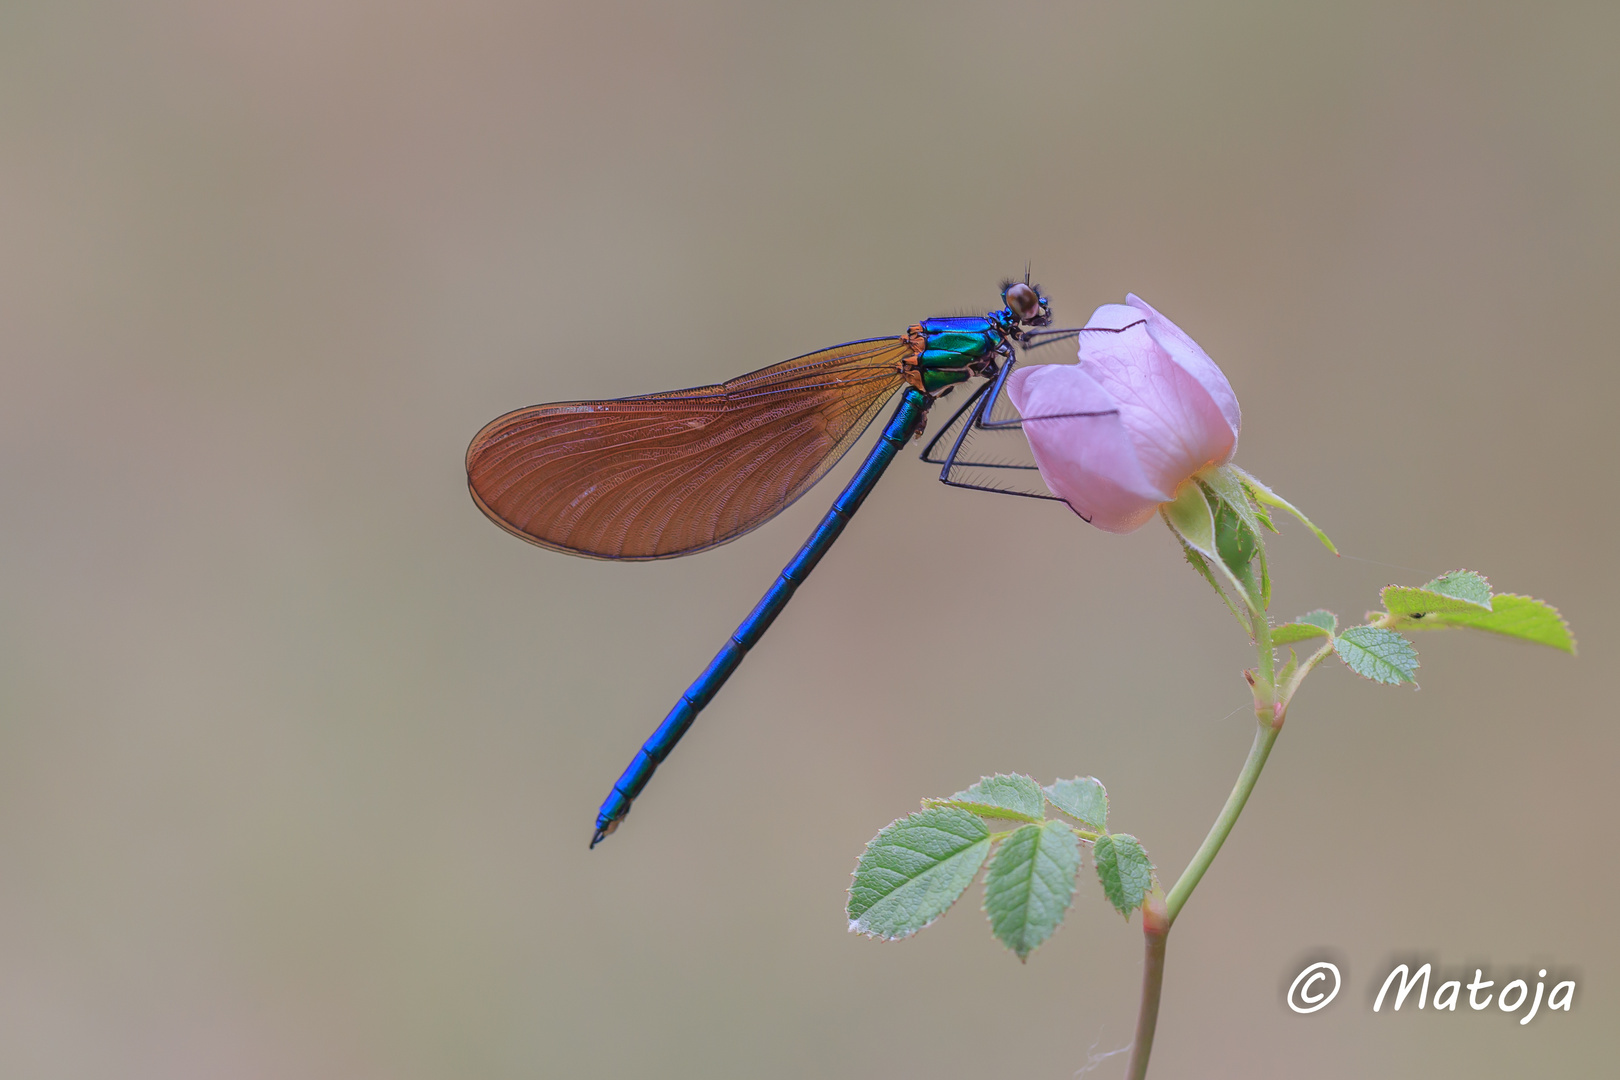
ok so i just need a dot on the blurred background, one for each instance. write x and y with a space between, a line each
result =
299 754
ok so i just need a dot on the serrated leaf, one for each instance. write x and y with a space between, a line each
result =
1463 585
1083 798
1407 600
914 870
1459 590
1266 497
1030 884
1318 623
1013 796
1124 870
1377 654
1519 617
1321 617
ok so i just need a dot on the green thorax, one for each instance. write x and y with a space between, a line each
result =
956 349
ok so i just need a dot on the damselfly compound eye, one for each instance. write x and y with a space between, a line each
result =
1023 301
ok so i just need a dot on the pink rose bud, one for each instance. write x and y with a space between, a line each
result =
1167 413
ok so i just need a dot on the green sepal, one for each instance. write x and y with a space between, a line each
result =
1377 654
1124 870
1238 542
1084 798
1225 484
1227 489
1191 518
1030 884
1266 497
1201 564
1015 797
914 870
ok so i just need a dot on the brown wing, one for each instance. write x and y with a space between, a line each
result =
669 474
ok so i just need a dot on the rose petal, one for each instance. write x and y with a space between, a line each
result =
1175 425
1089 461
1174 414
1195 361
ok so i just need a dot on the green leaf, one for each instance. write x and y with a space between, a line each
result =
1406 600
1321 617
1378 654
1514 616
1030 884
914 870
1463 585
1459 590
1124 870
1001 796
1266 497
1288 633
1083 799
1318 623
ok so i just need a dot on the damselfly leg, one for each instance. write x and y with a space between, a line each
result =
982 448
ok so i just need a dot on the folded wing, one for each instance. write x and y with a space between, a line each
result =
669 474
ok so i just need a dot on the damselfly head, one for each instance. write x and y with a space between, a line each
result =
1025 303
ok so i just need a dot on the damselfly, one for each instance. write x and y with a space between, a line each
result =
662 475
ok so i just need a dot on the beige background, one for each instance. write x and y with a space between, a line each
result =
299 754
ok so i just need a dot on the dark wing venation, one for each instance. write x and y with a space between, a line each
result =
668 474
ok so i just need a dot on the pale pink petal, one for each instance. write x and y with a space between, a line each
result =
1173 415
1176 426
1089 461
1193 360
